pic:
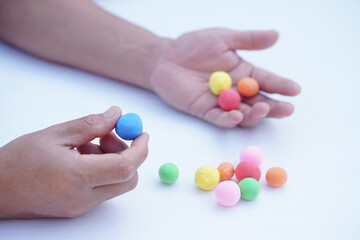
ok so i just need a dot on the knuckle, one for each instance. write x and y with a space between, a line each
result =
133 183
91 120
125 171
75 210
144 152
253 43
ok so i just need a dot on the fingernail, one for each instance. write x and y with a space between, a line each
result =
110 113
263 115
236 118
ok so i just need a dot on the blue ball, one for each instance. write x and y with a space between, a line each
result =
129 126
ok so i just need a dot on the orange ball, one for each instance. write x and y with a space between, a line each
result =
226 171
248 87
276 176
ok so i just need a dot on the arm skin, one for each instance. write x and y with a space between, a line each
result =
80 34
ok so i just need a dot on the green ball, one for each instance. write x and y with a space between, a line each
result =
168 173
250 188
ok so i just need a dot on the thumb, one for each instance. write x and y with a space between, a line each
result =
79 131
249 40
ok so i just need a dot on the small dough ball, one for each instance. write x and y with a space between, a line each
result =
276 176
227 193
207 177
229 100
226 171
247 170
248 87
252 154
250 189
219 81
129 126
168 173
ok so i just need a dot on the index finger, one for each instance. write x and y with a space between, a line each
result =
110 168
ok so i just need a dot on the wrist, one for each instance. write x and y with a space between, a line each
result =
135 60
156 53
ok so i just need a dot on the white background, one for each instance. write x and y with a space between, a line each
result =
318 47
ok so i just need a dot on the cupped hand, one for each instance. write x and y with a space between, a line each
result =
58 172
181 74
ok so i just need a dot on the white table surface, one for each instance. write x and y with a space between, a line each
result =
318 47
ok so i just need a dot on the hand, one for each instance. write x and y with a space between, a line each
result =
58 172
181 74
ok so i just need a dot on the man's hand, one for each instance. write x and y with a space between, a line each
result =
181 74
58 172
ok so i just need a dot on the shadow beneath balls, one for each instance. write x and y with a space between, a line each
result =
220 207
240 204
267 188
161 185
197 190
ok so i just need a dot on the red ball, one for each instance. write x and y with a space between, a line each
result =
229 99
247 169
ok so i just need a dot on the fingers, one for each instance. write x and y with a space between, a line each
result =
223 118
107 192
113 167
252 112
277 109
253 115
249 40
110 143
80 131
90 148
272 83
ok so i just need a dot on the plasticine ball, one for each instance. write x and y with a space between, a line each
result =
253 154
248 87
168 173
226 171
276 176
219 81
229 99
250 188
247 169
227 193
129 126
207 177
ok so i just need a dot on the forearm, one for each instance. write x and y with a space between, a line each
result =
82 35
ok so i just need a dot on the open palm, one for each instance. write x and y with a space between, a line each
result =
181 76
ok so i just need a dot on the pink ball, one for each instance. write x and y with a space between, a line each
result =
227 193
253 154
229 100
247 169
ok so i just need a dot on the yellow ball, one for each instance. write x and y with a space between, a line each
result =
207 177
219 81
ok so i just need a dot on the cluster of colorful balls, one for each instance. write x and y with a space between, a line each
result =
247 172
220 85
